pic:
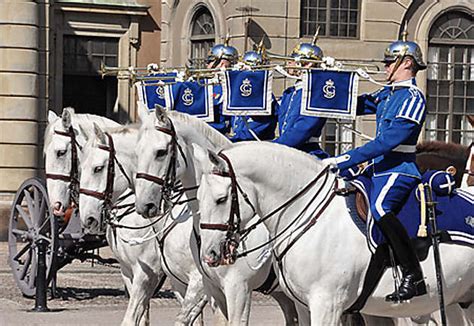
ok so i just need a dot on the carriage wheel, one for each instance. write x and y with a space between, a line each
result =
31 218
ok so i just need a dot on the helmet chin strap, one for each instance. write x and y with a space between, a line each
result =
401 55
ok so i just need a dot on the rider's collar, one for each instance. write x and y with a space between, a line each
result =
298 84
404 83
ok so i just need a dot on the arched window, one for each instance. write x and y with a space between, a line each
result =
450 95
202 36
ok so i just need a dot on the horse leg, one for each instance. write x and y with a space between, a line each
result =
238 298
303 314
194 301
143 287
288 308
325 309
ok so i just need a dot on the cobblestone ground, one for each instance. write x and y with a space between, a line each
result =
94 295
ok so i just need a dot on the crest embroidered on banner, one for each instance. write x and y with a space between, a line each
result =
329 94
247 93
194 98
156 91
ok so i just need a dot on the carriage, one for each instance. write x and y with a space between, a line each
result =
32 220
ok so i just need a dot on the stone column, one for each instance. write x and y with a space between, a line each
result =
19 92
19 103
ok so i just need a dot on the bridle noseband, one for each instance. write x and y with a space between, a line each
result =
169 180
107 194
73 177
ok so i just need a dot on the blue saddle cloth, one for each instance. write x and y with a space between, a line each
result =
454 214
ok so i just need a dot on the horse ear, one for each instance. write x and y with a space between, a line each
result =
52 116
66 119
218 162
161 114
84 133
100 134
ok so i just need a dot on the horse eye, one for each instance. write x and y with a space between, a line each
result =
97 169
161 153
221 200
61 153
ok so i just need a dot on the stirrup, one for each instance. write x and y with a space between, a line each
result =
402 294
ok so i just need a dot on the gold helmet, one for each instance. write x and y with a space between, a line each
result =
308 50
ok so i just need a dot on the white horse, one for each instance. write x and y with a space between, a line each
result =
62 140
324 269
160 157
64 137
146 250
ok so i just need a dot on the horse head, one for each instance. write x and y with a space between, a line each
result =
61 159
160 161
222 217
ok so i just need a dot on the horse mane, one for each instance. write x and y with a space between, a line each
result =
446 150
127 129
84 119
203 128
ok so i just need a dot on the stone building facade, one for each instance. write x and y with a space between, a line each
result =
350 29
50 51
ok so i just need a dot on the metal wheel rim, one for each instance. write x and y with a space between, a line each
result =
30 218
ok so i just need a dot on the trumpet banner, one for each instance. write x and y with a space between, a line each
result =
247 93
151 93
194 98
329 94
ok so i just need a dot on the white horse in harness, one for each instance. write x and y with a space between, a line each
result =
63 140
148 249
165 154
323 268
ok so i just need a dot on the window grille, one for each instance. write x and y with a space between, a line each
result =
336 18
450 92
202 37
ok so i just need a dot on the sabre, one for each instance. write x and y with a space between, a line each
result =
431 206
358 133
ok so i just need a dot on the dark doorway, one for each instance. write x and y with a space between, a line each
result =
83 87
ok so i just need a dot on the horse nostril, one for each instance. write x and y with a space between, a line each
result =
151 209
90 221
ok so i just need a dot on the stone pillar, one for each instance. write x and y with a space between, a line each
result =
19 92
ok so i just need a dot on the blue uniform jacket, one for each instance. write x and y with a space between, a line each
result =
221 122
296 130
262 126
400 113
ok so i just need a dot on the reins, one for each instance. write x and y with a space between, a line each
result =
232 227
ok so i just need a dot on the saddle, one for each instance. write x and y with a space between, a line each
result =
455 220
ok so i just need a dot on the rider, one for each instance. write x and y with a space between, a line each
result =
221 56
255 127
296 130
400 113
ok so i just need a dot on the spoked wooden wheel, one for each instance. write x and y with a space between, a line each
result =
31 218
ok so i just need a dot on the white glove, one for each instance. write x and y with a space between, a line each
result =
152 67
331 161
329 61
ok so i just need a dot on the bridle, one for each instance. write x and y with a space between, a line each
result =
168 182
107 194
233 226
73 177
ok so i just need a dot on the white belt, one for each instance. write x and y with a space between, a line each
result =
405 149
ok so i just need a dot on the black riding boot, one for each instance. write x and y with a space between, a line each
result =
412 284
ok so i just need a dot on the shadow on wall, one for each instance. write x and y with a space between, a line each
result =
256 33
